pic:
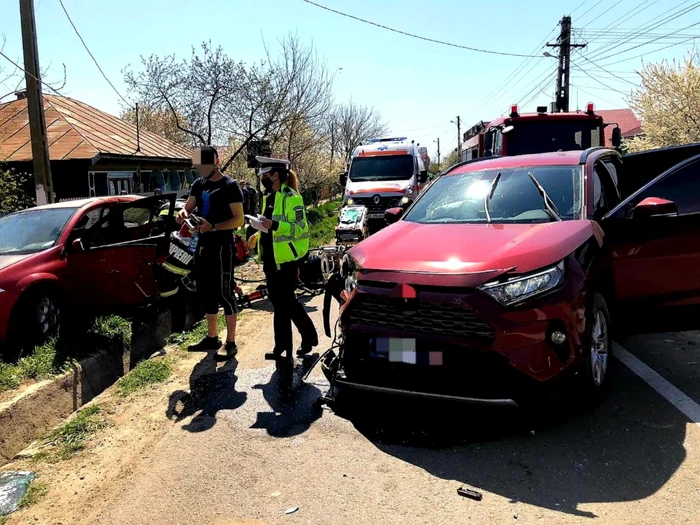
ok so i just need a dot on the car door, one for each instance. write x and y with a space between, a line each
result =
114 267
654 236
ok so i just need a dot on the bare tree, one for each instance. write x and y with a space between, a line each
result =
352 124
160 122
13 75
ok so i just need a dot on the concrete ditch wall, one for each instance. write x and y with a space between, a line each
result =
44 405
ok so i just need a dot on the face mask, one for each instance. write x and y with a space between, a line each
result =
267 183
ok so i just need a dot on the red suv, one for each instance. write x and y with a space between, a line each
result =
507 273
91 255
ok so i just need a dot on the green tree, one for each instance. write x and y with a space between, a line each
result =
13 196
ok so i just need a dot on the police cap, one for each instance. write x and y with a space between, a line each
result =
267 164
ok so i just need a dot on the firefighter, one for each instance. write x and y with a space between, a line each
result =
280 249
219 200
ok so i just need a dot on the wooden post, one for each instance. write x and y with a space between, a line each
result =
35 106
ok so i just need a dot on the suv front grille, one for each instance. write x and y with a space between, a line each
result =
384 203
430 317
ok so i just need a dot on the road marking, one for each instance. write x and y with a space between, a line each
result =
674 396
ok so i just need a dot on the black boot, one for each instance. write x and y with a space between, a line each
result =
274 355
306 347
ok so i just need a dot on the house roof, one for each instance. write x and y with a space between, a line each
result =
625 118
78 131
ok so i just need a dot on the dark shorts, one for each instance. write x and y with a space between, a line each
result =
214 264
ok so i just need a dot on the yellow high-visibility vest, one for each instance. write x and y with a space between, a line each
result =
290 242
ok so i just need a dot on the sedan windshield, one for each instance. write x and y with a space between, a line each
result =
32 230
464 197
389 167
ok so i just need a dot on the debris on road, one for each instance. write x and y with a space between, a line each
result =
276 494
13 486
469 493
291 510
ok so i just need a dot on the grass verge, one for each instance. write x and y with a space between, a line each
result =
35 492
198 331
71 437
322 223
146 373
54 356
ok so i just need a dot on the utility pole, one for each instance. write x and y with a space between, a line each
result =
459 139
35 105
564 44
438 143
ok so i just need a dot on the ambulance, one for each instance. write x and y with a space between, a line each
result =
384 173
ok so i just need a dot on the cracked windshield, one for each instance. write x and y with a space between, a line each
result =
330 262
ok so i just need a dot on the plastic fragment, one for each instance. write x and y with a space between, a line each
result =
13 486
291 510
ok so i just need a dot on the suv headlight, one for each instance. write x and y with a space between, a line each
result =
520 288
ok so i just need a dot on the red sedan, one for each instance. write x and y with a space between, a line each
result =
91 255
507 273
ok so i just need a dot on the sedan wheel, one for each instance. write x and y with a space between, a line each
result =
48 317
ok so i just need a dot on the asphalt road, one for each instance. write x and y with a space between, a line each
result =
238 453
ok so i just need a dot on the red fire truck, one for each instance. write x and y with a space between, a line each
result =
541 132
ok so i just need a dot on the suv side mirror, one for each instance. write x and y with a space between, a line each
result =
616 137
654 207
423 178
343 178
392 215
78 245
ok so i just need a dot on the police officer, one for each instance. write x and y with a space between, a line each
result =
219 202
280 249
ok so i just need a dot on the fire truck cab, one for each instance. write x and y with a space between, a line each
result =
541 132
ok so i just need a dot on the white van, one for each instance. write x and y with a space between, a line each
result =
384 173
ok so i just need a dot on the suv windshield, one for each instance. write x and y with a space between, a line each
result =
33 230
460 198
541 136
384 167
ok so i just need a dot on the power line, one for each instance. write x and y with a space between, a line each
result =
27 73
592 95
578 7
491 52
624 18
516 75
92 56
650 52
645 44
597 79
648 28
613 74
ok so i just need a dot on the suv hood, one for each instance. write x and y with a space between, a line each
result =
459 249
372 187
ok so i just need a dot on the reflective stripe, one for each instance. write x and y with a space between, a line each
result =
174 269
170 293
279 218
291 239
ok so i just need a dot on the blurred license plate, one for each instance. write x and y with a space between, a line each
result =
375 215
403 350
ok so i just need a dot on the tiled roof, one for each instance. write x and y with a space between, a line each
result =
78 131
625 118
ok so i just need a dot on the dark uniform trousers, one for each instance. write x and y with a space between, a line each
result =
281 287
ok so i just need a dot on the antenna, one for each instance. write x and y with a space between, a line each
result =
138 134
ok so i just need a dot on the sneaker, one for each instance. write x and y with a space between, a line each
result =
230 349
205 345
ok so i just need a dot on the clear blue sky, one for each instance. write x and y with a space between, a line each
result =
418 86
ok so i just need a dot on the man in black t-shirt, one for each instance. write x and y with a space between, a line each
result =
219 202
